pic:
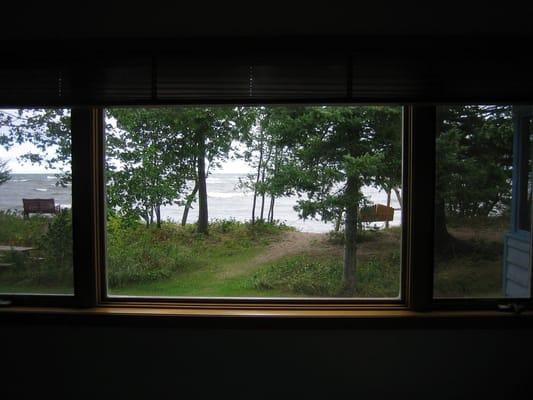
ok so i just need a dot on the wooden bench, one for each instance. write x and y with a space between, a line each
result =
376 213
39 206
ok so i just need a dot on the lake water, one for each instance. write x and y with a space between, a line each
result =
224 200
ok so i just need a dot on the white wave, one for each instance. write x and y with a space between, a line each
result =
19 180
50 177
219 195
215 180
41 190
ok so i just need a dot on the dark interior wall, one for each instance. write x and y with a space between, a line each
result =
166 362
154 19
162 362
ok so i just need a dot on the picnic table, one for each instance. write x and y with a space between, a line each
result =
21 249
15 248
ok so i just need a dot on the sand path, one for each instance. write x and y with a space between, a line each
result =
291 244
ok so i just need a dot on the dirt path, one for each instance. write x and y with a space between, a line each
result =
310 244
291 244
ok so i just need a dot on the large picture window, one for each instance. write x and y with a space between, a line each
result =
263 201
325 178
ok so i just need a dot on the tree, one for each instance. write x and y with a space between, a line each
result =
48 130
335 152
170 146
474 165
4 172
213 131
147 164
261 153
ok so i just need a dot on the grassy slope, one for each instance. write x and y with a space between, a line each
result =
174 261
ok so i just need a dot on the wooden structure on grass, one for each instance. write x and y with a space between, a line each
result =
376 213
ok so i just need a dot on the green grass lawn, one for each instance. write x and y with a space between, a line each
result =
235 260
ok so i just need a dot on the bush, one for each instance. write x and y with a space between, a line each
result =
50 263
16 231
301 275
56 243
306 276
136 253
337 237
142 254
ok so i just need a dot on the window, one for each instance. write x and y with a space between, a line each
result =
262 151
482 178
36 202
263 201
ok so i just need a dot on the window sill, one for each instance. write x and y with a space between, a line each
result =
252 318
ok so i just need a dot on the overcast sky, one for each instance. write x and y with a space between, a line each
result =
17 167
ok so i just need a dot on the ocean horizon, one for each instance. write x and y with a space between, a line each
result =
225 200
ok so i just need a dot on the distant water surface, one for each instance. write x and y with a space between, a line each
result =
224 200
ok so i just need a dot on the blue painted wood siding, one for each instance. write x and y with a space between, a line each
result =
516 265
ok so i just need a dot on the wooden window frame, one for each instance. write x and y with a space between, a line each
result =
416 283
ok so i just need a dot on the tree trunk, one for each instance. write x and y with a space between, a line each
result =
272 196
158 215
262 217
203 217
388 205
263 175
398 195
188 204
338 221
254 201
271 210
258 176
350 236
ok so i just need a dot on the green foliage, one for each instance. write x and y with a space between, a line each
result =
306 276
50 262
56 243
338 237
153 154
146 162
136 254
301 276
45 129
474 159
16 231
329 146
379 277
4 172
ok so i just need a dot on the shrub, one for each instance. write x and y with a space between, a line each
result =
306 276
337 237
50 263
140 254
301 275
16 231
56 243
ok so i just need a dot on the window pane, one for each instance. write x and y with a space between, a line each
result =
481 207
300 201
35 201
